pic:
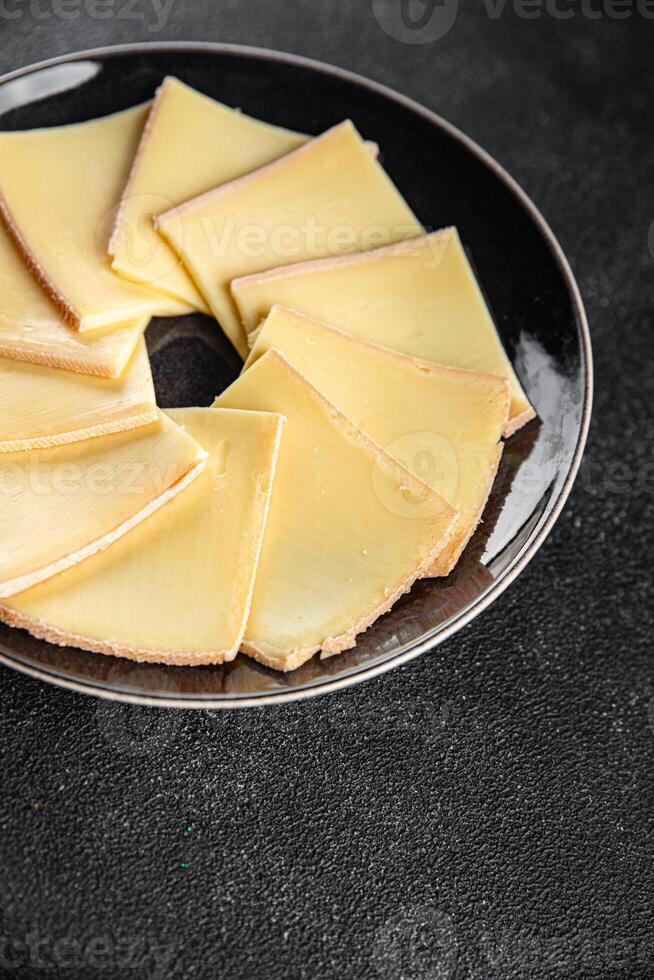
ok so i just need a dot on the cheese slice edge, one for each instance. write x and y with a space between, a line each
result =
165 174
327 197
420 297
60 505
186 541
32 330
388 527
444 424
44 406
58 189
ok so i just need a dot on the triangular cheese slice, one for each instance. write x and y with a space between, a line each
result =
58 506
32 330
349 528
327 198
190 144
42 406
59 188
421 298
177 588
444 424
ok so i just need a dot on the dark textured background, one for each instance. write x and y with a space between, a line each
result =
486 811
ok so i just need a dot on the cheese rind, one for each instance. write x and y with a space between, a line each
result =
327 198
443 424
58 189
59 506
349 528
176 589
32 330
43 406
420 297
190 144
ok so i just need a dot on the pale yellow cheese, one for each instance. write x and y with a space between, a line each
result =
43 406
59 188
31 328
190 144
61 505
444 424
421 298
327 198
349 528
177 588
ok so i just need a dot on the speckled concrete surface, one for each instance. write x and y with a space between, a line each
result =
486 811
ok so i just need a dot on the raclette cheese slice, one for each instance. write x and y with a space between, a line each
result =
421 298
60 505
177 588
349 528
43 406
326 198
190 144
59 188
31 328
444 424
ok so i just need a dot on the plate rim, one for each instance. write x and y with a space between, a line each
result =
211 702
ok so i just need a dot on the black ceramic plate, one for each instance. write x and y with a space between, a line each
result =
447 180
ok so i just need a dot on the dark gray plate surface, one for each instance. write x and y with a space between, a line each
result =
447 180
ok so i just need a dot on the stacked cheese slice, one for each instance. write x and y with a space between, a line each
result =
354 455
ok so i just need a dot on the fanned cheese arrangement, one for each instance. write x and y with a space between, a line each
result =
127 599
350 529
329 197
31 328
58 189
355 453
421 298
164 175
60 505
444 424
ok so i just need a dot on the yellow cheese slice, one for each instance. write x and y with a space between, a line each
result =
31 329
60 505
177 588
190 144
421 298
59 189
444 424
327 198
42 406
349 528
